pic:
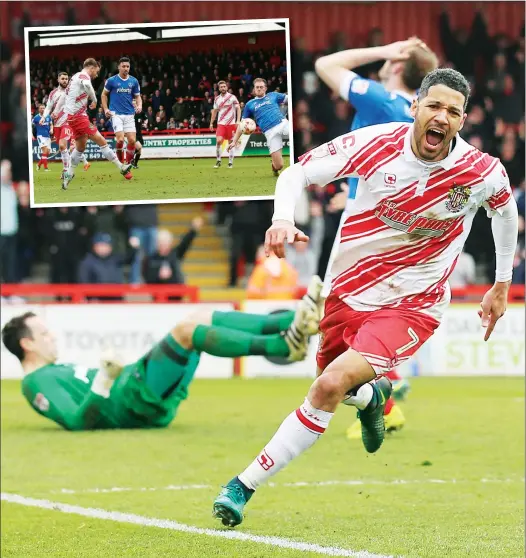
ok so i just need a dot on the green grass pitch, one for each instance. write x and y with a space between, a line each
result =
461 455
166 179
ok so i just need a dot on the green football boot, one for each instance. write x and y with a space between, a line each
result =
228 506
372 417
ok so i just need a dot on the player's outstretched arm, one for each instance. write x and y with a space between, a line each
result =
320 166
505 228
49 108
237 135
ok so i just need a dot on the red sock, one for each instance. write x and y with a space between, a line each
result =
388 406
393 375
39 162
44 159
120 154
130 154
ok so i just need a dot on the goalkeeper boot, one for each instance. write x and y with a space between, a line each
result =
306 321
372 417
400 389
125 171
228 506
395 420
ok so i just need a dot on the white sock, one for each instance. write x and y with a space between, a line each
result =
362 398
65 158
76 157
297 433
231 156
218 151
109 154
83 159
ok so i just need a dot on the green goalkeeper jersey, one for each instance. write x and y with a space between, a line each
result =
62 393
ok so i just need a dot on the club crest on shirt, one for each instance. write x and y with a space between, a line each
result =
40 402
458 198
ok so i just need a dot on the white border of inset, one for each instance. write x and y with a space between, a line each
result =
130 26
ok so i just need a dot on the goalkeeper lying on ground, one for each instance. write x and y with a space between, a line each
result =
147 393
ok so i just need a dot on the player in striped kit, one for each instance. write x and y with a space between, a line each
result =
80 92
406 64
61 130
419 189
228 112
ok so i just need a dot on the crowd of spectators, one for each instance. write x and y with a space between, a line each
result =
177 92
171 87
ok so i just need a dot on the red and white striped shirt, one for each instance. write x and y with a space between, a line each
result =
226 106
80 93
55 106
410 219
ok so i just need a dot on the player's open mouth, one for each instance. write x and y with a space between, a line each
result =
434 138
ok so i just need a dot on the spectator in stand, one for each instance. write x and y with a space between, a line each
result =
193 124
272 278
101 265
8 226
509 103
179 110
168 101
159 125
142 223
161 114
64 243
150 117
156 101
101 125
171 124
164 267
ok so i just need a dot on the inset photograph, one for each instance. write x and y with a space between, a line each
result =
157 112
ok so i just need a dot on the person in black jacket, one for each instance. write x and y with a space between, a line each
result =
143 221
101 265
164 266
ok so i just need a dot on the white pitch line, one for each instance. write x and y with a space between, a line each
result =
176 526
300 484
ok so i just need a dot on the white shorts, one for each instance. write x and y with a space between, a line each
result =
123 122
275 136
43 142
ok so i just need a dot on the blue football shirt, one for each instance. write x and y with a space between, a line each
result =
42 130
122 93
374 105
265 110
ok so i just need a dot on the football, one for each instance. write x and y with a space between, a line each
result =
248 125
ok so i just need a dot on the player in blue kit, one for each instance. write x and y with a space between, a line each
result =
265 110
43 130
125 100
406 64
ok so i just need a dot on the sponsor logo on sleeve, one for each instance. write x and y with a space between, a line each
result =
359 86
40 402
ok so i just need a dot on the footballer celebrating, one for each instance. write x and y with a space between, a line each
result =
406 64
420 186
265 110
43 131
80 92
147 393
125 100
228 112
